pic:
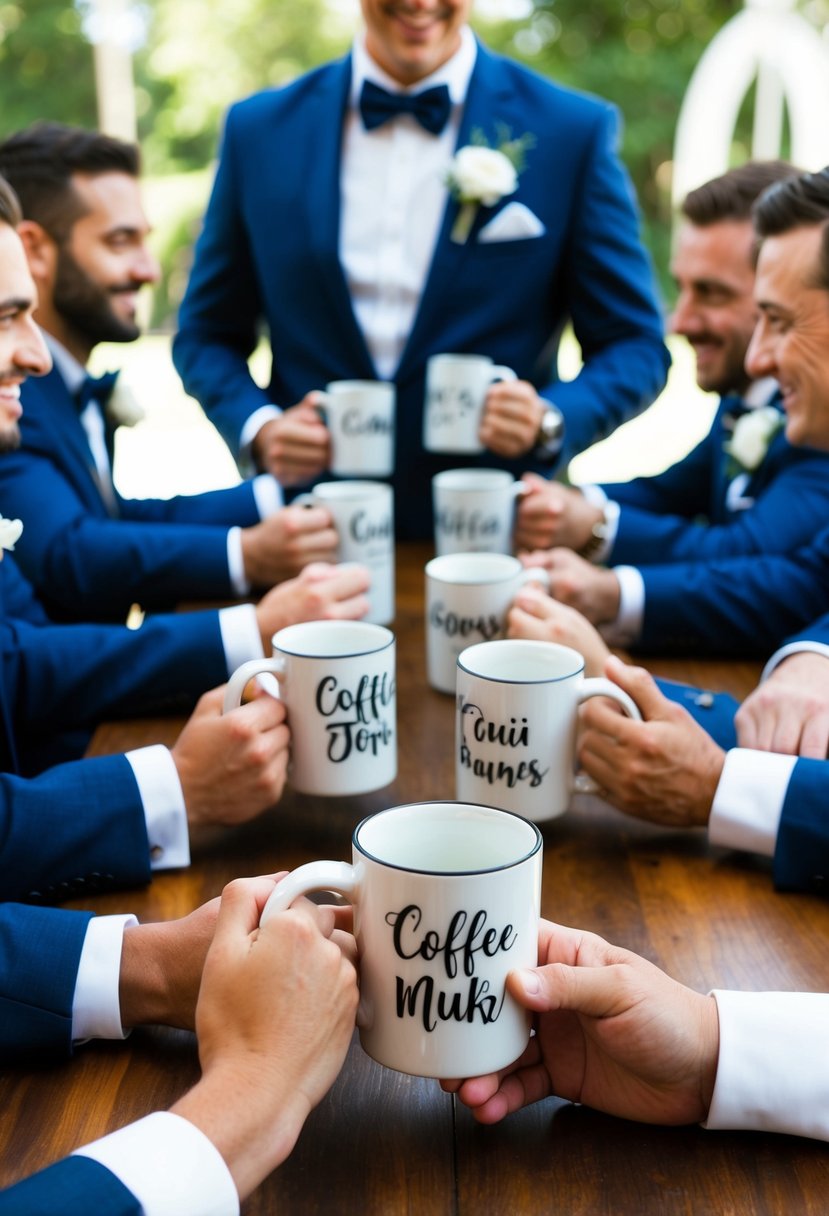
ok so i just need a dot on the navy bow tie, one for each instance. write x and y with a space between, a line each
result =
96 389
431 108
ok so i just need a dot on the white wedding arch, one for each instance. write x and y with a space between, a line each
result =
789 59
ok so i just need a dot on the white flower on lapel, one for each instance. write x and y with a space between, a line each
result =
752 435
10 532
123 409
480 175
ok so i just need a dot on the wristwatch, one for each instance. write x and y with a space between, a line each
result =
599 534
550 434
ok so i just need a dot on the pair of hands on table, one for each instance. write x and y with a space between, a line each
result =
295 447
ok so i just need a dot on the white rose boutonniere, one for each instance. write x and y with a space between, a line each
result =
752 436
10 532
481 175
123 409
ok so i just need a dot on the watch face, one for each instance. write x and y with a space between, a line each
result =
552 424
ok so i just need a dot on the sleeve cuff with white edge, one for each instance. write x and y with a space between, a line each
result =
250 430
241 638
164 811
267 494
236 563
785 652
628 624
749 800
96 1007
169 1165
773 1068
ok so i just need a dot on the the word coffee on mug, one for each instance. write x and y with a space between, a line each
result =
456 387
474 510
446 902
363 514
337 679
467 599
516 721
359 415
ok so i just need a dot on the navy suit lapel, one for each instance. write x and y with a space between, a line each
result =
322 156
59 414
8 746
487 102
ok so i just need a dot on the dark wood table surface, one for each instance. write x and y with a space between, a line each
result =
384 1144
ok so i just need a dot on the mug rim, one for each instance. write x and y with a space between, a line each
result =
465 355
351 488
471 873
359 385
387 641
522 644
445 558
443 479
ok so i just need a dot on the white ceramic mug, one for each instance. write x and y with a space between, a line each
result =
359 415
516 721
474 510
446 903
363 514
456 386
467 598
337 679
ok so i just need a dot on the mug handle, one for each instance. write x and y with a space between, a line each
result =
253 667
499 372
600 687
336 876
537 574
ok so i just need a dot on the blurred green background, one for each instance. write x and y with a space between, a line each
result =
192 58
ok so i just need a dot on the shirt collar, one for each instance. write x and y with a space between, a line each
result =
760 392
455 73
72 372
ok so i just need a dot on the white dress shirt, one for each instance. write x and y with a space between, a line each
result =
393 197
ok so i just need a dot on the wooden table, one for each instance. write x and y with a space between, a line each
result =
383 1144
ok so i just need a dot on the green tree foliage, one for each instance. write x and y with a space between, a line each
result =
45 65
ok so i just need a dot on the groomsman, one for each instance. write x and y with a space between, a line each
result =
90 552
331 221
96 824
666 768
744 489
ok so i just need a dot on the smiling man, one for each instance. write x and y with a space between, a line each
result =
745 488
90 552
331 221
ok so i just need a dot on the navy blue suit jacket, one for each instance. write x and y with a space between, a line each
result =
87 564
40 949
269 251
684 514
60 681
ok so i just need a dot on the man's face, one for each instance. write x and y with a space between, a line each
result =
22 349
791 341
104 262
715 308
410 39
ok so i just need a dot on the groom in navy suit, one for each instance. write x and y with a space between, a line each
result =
743 490
331 222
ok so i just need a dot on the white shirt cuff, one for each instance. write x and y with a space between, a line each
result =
236 563
773 1068
96 1007
267 494
628 624
804 647
749 800
164 810
169 1165
241 638
251 429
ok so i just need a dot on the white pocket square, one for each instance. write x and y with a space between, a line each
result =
514 223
